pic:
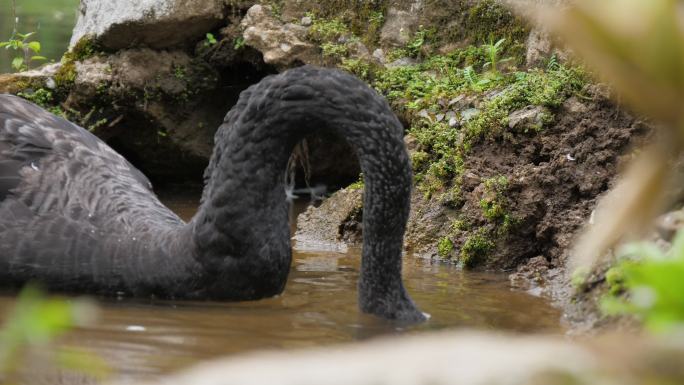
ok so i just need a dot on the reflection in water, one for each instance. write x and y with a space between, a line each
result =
148 338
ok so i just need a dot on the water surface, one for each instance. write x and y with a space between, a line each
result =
145 338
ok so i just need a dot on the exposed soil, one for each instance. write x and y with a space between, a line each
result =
555 177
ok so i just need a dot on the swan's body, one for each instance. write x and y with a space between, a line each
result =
77 217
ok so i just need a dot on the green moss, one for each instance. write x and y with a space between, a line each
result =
579 278
461 224
476 248
358 185
42 97
358 67
66 75
361 18
494 203
536 87
490 20
615 278
326 31
85 48
444 247
334 50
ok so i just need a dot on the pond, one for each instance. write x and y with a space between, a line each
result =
52 20
146 339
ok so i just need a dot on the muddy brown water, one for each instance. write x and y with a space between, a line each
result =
145 339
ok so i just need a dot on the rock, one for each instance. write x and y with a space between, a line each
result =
601 92
358 50
461 102
398 28
152 23
16 82
539 48
402 62
529 118
379 56
468 114
306 21
456 357
93 72
669 224
411 142
573 105
281 44
325 226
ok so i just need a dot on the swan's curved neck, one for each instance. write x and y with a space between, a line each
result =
243 217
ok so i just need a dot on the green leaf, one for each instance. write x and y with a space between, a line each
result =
17 63
25 36
38 58
34 46
4 44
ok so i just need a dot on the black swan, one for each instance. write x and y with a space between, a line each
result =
77 217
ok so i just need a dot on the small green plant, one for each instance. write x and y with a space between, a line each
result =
653 285
323 30
27 51
42 97
358 67
179 72
416 44
239 43
493 51
210 40
494 203
444 247
34 325
476 248
358 185
334 50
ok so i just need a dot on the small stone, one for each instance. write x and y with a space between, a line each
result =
398 27
439 117
50 83
667 225
468 114
306 21
528 118
454 123
379 55
574 106
402 62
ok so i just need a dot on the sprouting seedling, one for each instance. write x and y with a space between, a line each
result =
474 80
210 40
470 75
493 51
553 64
28 51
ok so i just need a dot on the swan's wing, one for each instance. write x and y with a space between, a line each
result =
29 133
52 165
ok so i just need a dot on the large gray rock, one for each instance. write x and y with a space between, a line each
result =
399 27
281 44
121 24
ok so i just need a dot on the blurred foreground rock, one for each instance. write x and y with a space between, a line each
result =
471 358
